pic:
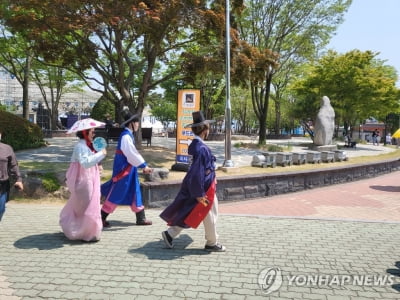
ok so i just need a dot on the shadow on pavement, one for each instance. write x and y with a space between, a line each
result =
118 225
386 188
360 147
395 272
157 249
45 241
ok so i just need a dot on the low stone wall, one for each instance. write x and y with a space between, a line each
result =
239 187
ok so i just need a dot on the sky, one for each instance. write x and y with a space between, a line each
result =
371 25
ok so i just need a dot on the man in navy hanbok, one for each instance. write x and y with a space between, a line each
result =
124 187
196 200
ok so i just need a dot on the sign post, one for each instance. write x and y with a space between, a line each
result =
188 102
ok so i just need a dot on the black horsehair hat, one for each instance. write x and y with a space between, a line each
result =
198 119
129 117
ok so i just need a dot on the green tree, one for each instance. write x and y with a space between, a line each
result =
102 107
16 57
54 82
280 32
164 111
358 84
280 95
204 62
242 111
204 68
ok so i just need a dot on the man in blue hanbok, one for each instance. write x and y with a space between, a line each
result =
124 187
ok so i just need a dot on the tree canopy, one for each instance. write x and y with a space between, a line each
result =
122 41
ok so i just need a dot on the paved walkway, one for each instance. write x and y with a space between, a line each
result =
60 150
338 242
370 200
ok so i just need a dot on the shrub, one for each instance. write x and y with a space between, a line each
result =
50 182
102 107
20 133
275 148
238 145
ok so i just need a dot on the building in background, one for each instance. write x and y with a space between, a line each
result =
149 121
77 103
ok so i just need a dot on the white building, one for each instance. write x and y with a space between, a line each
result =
11 96
148 121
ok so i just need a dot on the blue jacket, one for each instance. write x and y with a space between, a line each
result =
124 187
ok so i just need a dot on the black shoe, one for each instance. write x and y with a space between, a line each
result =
144 222
141 218
215 248
167 239
104 216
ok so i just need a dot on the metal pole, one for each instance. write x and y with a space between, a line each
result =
228 122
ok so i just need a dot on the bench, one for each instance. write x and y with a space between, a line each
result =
146 135
100 132
348 143
113 133
110 134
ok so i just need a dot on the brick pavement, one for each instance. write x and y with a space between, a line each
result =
374 199
346 258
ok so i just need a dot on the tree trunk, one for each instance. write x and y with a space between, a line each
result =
25 87
264 111
262 133
277 117
244 123
54 119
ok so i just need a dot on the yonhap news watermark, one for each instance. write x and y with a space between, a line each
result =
271 279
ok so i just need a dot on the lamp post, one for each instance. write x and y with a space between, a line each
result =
228 122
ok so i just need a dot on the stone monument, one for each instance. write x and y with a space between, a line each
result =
324 126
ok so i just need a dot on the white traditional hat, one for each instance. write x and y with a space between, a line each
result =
85 124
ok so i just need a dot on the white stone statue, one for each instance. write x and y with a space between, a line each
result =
324 123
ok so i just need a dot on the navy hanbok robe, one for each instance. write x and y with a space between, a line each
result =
197 181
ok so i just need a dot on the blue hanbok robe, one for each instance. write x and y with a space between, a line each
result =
196 183
124 187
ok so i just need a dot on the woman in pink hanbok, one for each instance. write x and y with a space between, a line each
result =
80 218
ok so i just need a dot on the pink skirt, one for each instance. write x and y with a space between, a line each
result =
80 218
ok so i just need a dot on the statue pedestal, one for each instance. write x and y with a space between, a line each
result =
324 148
